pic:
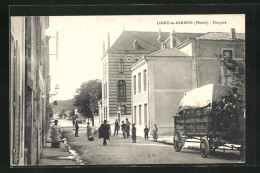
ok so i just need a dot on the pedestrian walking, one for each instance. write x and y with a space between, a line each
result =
146 131
117 127
76 129
134 133
104 131
155 132
73 123
56 135
127 127
89 131
123 126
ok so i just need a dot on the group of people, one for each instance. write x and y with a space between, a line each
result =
227 111
104 131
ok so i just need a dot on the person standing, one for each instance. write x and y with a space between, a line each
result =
123 126
104 130
127 127
76 129
155 132
134 133
146 131
89 132
56 135
117 127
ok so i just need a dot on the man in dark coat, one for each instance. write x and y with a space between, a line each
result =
104 132
123 128
76 129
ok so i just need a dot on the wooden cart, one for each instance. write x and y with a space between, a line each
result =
197 118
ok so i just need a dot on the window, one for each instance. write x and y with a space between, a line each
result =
145 114
121 88
124 110
139 82
140 114
144 80
227 53
134 114
136 60
134 83
121 66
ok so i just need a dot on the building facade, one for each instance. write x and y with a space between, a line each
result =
117 60
29 91
160 79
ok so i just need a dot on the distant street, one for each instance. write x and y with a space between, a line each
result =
123 151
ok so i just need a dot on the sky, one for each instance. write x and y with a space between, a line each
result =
80 43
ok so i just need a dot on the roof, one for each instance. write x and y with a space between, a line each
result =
170 52
146 40
220 36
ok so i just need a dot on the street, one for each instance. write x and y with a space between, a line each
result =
122 151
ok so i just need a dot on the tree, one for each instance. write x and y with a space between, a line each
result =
87 97
237 69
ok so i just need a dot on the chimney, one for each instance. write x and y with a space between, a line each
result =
104 47
233 33
135 44
160 39
108 40
173 39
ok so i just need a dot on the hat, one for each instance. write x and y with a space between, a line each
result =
234 89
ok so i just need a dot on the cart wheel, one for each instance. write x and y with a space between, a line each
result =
177 141
204 147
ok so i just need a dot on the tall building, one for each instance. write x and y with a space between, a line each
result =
29 91
160 79
117 59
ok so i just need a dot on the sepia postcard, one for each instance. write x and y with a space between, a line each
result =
127 90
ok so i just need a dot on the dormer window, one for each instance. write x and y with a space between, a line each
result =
135 45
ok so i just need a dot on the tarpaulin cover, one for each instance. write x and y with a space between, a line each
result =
203 96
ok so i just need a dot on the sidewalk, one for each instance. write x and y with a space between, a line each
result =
56 156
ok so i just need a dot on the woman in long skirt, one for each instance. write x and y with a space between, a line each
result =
56 135
89 132
155 132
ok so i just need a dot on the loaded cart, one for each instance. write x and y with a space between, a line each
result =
214 114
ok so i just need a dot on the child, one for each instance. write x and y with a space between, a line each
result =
146 131
134 133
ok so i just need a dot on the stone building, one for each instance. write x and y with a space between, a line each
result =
117 59
29 91
160 79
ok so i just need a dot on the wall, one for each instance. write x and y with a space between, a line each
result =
17 94
140 98
169 78
207 48
28 113
114 76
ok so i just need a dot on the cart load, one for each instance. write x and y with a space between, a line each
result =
211 113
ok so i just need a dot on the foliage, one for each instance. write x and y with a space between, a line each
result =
72 113
237 69
87 97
